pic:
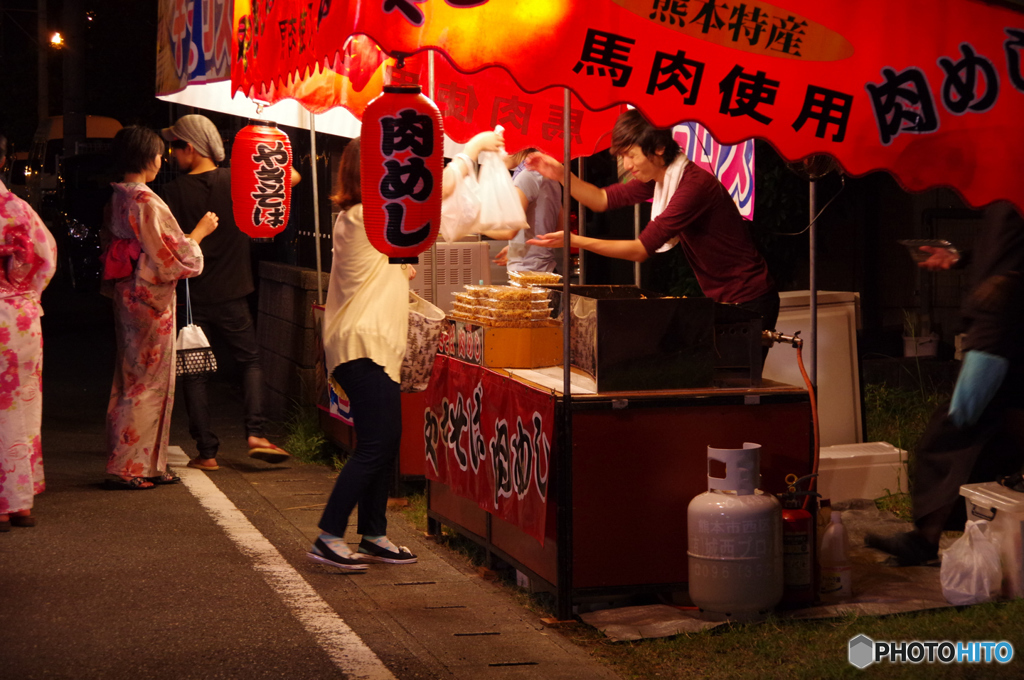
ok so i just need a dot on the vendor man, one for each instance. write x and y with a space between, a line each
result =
690 207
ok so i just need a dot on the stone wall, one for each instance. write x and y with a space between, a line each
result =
287 336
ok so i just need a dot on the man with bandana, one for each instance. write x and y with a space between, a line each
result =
218 295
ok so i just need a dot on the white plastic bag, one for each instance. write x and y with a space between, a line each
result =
500 207
971 571
460 212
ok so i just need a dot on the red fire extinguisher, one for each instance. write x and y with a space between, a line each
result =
798 547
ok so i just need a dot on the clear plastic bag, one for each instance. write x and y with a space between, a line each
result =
971 572
500 206
460 212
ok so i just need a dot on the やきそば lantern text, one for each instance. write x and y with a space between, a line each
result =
261 179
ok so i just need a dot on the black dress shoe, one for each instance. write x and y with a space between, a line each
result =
910 549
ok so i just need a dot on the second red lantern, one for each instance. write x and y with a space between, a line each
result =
400 170
261 179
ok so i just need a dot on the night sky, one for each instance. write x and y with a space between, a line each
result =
119 57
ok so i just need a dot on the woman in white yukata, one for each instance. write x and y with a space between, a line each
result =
146 257
28 259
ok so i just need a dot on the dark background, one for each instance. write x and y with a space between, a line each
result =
857 233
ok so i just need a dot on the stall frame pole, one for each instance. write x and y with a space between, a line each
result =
582 222
812 248
316 208
565 538
433 245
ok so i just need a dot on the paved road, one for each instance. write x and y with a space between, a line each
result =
208 579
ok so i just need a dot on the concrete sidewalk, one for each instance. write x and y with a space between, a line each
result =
113 584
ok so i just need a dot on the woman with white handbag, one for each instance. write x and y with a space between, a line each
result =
147 255
365 333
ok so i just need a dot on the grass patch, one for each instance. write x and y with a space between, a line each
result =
306 441
899 415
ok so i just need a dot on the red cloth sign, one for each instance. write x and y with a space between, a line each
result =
931 93
489 438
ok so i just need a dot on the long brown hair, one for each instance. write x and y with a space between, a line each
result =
348 192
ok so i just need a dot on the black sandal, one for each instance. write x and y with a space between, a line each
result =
168 477
133 484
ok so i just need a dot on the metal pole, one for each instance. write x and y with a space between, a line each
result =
582 217
812 344
433 246
636 234
564 474
316 207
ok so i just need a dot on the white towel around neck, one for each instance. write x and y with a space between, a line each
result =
665 189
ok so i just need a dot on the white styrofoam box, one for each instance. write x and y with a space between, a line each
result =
838 379
1004 509
865 470
458 264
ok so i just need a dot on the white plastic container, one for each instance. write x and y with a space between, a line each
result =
1004 509
834 558
734 533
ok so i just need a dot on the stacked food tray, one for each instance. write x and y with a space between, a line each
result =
504 306
526 279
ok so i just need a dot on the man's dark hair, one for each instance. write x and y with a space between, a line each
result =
632 128
135 147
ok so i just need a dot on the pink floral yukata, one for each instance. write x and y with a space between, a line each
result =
28 258
141 398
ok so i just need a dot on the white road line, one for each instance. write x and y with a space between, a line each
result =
346 649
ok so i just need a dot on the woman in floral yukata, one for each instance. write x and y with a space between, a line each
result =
146 257
28 259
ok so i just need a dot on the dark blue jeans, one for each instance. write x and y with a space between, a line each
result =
232 322
364 481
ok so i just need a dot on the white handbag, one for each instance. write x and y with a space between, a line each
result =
192 349
425 322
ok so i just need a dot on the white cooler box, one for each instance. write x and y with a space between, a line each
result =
865 470
1004 510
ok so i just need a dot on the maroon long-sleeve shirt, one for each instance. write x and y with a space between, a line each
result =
711 232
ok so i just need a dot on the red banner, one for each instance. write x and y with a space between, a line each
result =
929 91
489 439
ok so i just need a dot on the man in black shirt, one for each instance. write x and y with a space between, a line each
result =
218 295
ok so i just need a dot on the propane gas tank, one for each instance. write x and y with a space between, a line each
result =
735 540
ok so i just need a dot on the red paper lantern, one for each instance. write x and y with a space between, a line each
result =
261 179
400 170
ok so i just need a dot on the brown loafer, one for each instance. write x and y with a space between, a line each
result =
195 464
23 521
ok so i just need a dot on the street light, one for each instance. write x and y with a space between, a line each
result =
56 40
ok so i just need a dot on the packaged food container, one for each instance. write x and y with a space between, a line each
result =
479 291
526 279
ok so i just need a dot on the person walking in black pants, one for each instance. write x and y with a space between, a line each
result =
218 295
978 436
